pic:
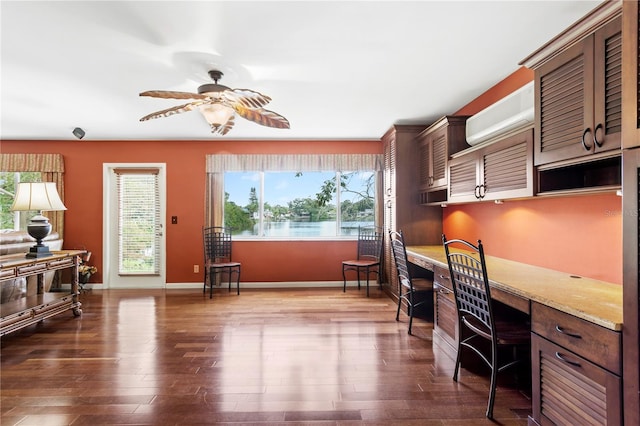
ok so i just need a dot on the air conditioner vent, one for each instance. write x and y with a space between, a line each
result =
512 113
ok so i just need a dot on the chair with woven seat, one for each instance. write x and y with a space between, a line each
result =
217 258
414 292
476 314
368 258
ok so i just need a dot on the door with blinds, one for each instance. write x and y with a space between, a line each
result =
134 226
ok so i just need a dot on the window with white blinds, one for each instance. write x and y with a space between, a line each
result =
139 222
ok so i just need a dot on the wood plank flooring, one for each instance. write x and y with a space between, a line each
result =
276 357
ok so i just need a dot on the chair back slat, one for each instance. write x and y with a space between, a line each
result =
370 243
217 244
399 251
470 283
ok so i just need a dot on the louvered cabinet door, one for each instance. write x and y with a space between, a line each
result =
507 168
463 178
579 98
608 87
439 159
569 390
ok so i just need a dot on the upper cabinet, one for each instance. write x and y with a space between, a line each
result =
436 143
497 171
579 98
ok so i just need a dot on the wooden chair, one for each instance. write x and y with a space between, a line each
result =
415 292
368 258
217 258
476 320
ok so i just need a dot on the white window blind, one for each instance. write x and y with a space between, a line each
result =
139 224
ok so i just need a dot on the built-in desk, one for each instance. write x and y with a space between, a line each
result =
576 341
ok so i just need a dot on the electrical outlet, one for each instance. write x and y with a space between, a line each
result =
196 269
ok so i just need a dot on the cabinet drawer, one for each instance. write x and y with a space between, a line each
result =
591 341
442 277
568 389
445 319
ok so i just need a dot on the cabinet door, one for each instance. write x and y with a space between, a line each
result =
506 168
426 161
564 104
445 320
439 159
569 390
463 178
608 87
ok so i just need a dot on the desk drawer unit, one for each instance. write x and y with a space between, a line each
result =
591 341
575 368
445 317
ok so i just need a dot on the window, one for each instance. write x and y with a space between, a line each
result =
294 195
139 224
300 204
8 183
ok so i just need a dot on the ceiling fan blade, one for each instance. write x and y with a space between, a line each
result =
224 129
172 111
245 97
169 94
263 116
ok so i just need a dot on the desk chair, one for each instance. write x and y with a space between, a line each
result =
476 319
410 288
369 253
217 258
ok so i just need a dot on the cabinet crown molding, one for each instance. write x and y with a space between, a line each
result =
597 18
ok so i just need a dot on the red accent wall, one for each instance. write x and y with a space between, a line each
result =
262 260
579 235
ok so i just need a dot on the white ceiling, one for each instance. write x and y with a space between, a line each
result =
336 69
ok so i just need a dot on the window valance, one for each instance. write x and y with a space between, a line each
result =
45 163
294 162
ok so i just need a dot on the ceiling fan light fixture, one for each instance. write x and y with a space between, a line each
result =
216 114
219 105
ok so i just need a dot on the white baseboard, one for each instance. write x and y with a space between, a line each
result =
279 284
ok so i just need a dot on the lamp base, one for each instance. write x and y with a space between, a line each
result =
39 228
38 251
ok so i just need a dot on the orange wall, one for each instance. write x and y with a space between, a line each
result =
579 235
185 160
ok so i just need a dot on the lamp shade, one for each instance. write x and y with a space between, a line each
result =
40 196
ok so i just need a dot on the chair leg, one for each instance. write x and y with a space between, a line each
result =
399 304
344 280
238 282
410 307
457 366
367 270
494 378
212 280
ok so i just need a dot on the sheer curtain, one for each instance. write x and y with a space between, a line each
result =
51 166
217 165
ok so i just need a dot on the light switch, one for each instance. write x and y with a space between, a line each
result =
174 220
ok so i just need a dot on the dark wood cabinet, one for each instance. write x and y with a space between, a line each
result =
630 75
498 171
579 98
443 138
402 208
576 368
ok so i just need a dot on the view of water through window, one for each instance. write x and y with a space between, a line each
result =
288 204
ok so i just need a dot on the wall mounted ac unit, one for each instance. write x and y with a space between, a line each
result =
507 116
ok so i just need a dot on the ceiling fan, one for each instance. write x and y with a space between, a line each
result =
219 104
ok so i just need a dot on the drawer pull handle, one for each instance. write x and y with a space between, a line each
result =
563 359
562 331
443 277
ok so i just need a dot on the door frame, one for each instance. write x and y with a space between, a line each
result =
109 198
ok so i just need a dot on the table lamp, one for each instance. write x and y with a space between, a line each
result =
38 196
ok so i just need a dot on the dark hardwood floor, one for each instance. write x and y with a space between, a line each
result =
175 357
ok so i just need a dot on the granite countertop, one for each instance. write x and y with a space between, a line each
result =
595 301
